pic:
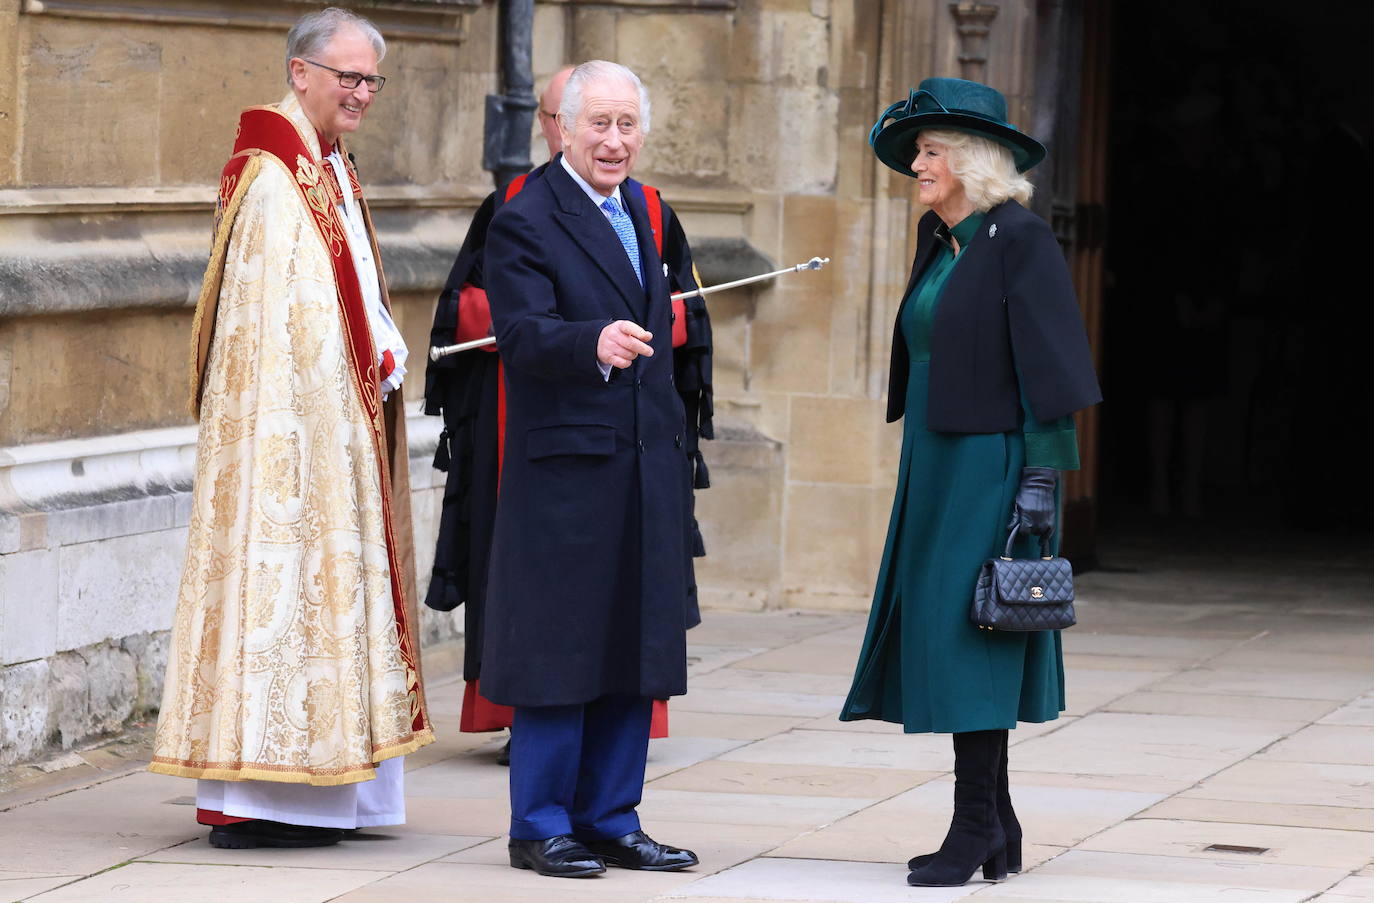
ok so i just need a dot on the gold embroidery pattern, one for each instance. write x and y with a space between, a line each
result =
286 660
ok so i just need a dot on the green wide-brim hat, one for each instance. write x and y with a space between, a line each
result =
949 103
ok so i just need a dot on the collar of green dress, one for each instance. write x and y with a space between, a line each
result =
963 232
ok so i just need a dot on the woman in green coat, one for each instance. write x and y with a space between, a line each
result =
990 361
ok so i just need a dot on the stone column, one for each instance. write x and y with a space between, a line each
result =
974 21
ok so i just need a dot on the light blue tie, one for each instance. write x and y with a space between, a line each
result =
625 230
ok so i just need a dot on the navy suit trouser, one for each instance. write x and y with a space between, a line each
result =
578 769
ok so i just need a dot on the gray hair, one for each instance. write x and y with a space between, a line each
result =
313 32
593 71
986 168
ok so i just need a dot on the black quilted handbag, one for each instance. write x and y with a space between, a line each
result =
1024 593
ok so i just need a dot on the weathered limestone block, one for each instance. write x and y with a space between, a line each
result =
24 711
149 652
81 374
833 439
10 53
740 517
128 517
593 34
764 120
439 110
833 543
852 319
198 125
118 586
92 92
685 88
28 586
791 348
92 691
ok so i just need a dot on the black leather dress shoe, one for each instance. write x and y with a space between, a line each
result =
554 857
245 835
642 852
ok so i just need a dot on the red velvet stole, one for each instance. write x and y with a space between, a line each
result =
264 130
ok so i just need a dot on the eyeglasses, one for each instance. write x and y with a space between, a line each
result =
351 80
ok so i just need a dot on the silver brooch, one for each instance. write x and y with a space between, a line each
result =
992 230
665 271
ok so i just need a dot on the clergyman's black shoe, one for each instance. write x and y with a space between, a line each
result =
554 857
260 832
640 851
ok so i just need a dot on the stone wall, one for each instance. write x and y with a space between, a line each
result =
114 119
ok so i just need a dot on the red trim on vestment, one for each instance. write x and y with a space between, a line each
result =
516 185
214 818
474 316
658 723
481 714
654 202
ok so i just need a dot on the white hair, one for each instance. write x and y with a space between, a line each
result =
313 32
594 71
986 169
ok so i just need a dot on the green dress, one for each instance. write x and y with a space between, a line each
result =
924 664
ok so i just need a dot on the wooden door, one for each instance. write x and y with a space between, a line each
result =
1071 98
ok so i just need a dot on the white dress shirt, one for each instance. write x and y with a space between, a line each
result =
385 335
597 199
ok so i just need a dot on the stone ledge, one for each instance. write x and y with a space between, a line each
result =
100 470
147 248
117 275
427 20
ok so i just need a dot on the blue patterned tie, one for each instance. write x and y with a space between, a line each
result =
625 230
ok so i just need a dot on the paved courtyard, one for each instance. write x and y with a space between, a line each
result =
1219 746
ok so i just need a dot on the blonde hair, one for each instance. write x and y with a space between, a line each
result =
986 168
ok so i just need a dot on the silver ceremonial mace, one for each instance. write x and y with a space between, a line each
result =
815 263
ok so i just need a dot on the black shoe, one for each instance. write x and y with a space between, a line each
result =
975 835
1013 852
503 755
245 835
554 857
640 851
1011 826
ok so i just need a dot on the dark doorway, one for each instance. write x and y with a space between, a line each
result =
1238 311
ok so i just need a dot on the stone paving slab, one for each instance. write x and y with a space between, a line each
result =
22 885
1189 725
1279 814
152 882
1353 888
1100 877
794 779
1360 712
831 881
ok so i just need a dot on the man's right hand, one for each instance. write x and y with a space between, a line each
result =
621 342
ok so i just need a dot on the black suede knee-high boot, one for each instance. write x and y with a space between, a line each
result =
975 835
1011 827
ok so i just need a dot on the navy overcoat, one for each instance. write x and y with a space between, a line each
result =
588 587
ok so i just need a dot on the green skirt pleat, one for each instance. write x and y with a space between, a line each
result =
924 664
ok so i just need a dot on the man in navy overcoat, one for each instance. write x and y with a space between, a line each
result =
588 588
